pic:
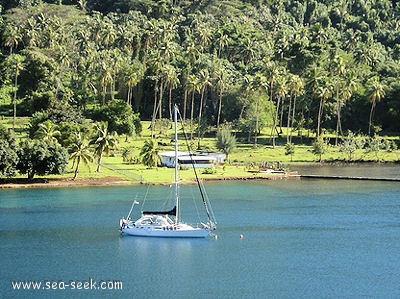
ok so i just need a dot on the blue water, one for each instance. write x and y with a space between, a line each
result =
301 239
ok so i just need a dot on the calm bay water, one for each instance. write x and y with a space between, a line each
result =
301 239
371 170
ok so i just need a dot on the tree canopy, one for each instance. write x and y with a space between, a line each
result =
323 65
41 157
8 153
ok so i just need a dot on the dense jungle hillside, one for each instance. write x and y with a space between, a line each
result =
329 65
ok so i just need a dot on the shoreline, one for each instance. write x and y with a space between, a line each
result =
64 182
117 181
106 181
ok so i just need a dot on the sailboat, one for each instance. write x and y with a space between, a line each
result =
168 223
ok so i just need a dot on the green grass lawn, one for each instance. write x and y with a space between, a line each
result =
244 158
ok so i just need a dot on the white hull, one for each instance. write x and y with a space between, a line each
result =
189 232
167 224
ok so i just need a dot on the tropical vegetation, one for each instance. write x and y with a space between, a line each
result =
276 73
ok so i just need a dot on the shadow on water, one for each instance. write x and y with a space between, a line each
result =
371 170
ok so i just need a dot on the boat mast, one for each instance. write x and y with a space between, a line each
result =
176 163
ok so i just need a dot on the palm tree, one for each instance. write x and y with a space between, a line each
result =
80 153
375 92
107 32
185 84
205 81
172 81
106 76
12 37
31 32
222 84
116 61
324 92
193 87
273 72
316 81
281 93
134 72
156 63
202 30
104 142
149 153
296 86
259 83
16 63
47 131
222 42
164 73
315 76
222 79
343 90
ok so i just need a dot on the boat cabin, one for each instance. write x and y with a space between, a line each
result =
201 160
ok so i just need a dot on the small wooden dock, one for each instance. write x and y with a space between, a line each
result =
341 177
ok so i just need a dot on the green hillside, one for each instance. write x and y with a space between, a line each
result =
272 72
